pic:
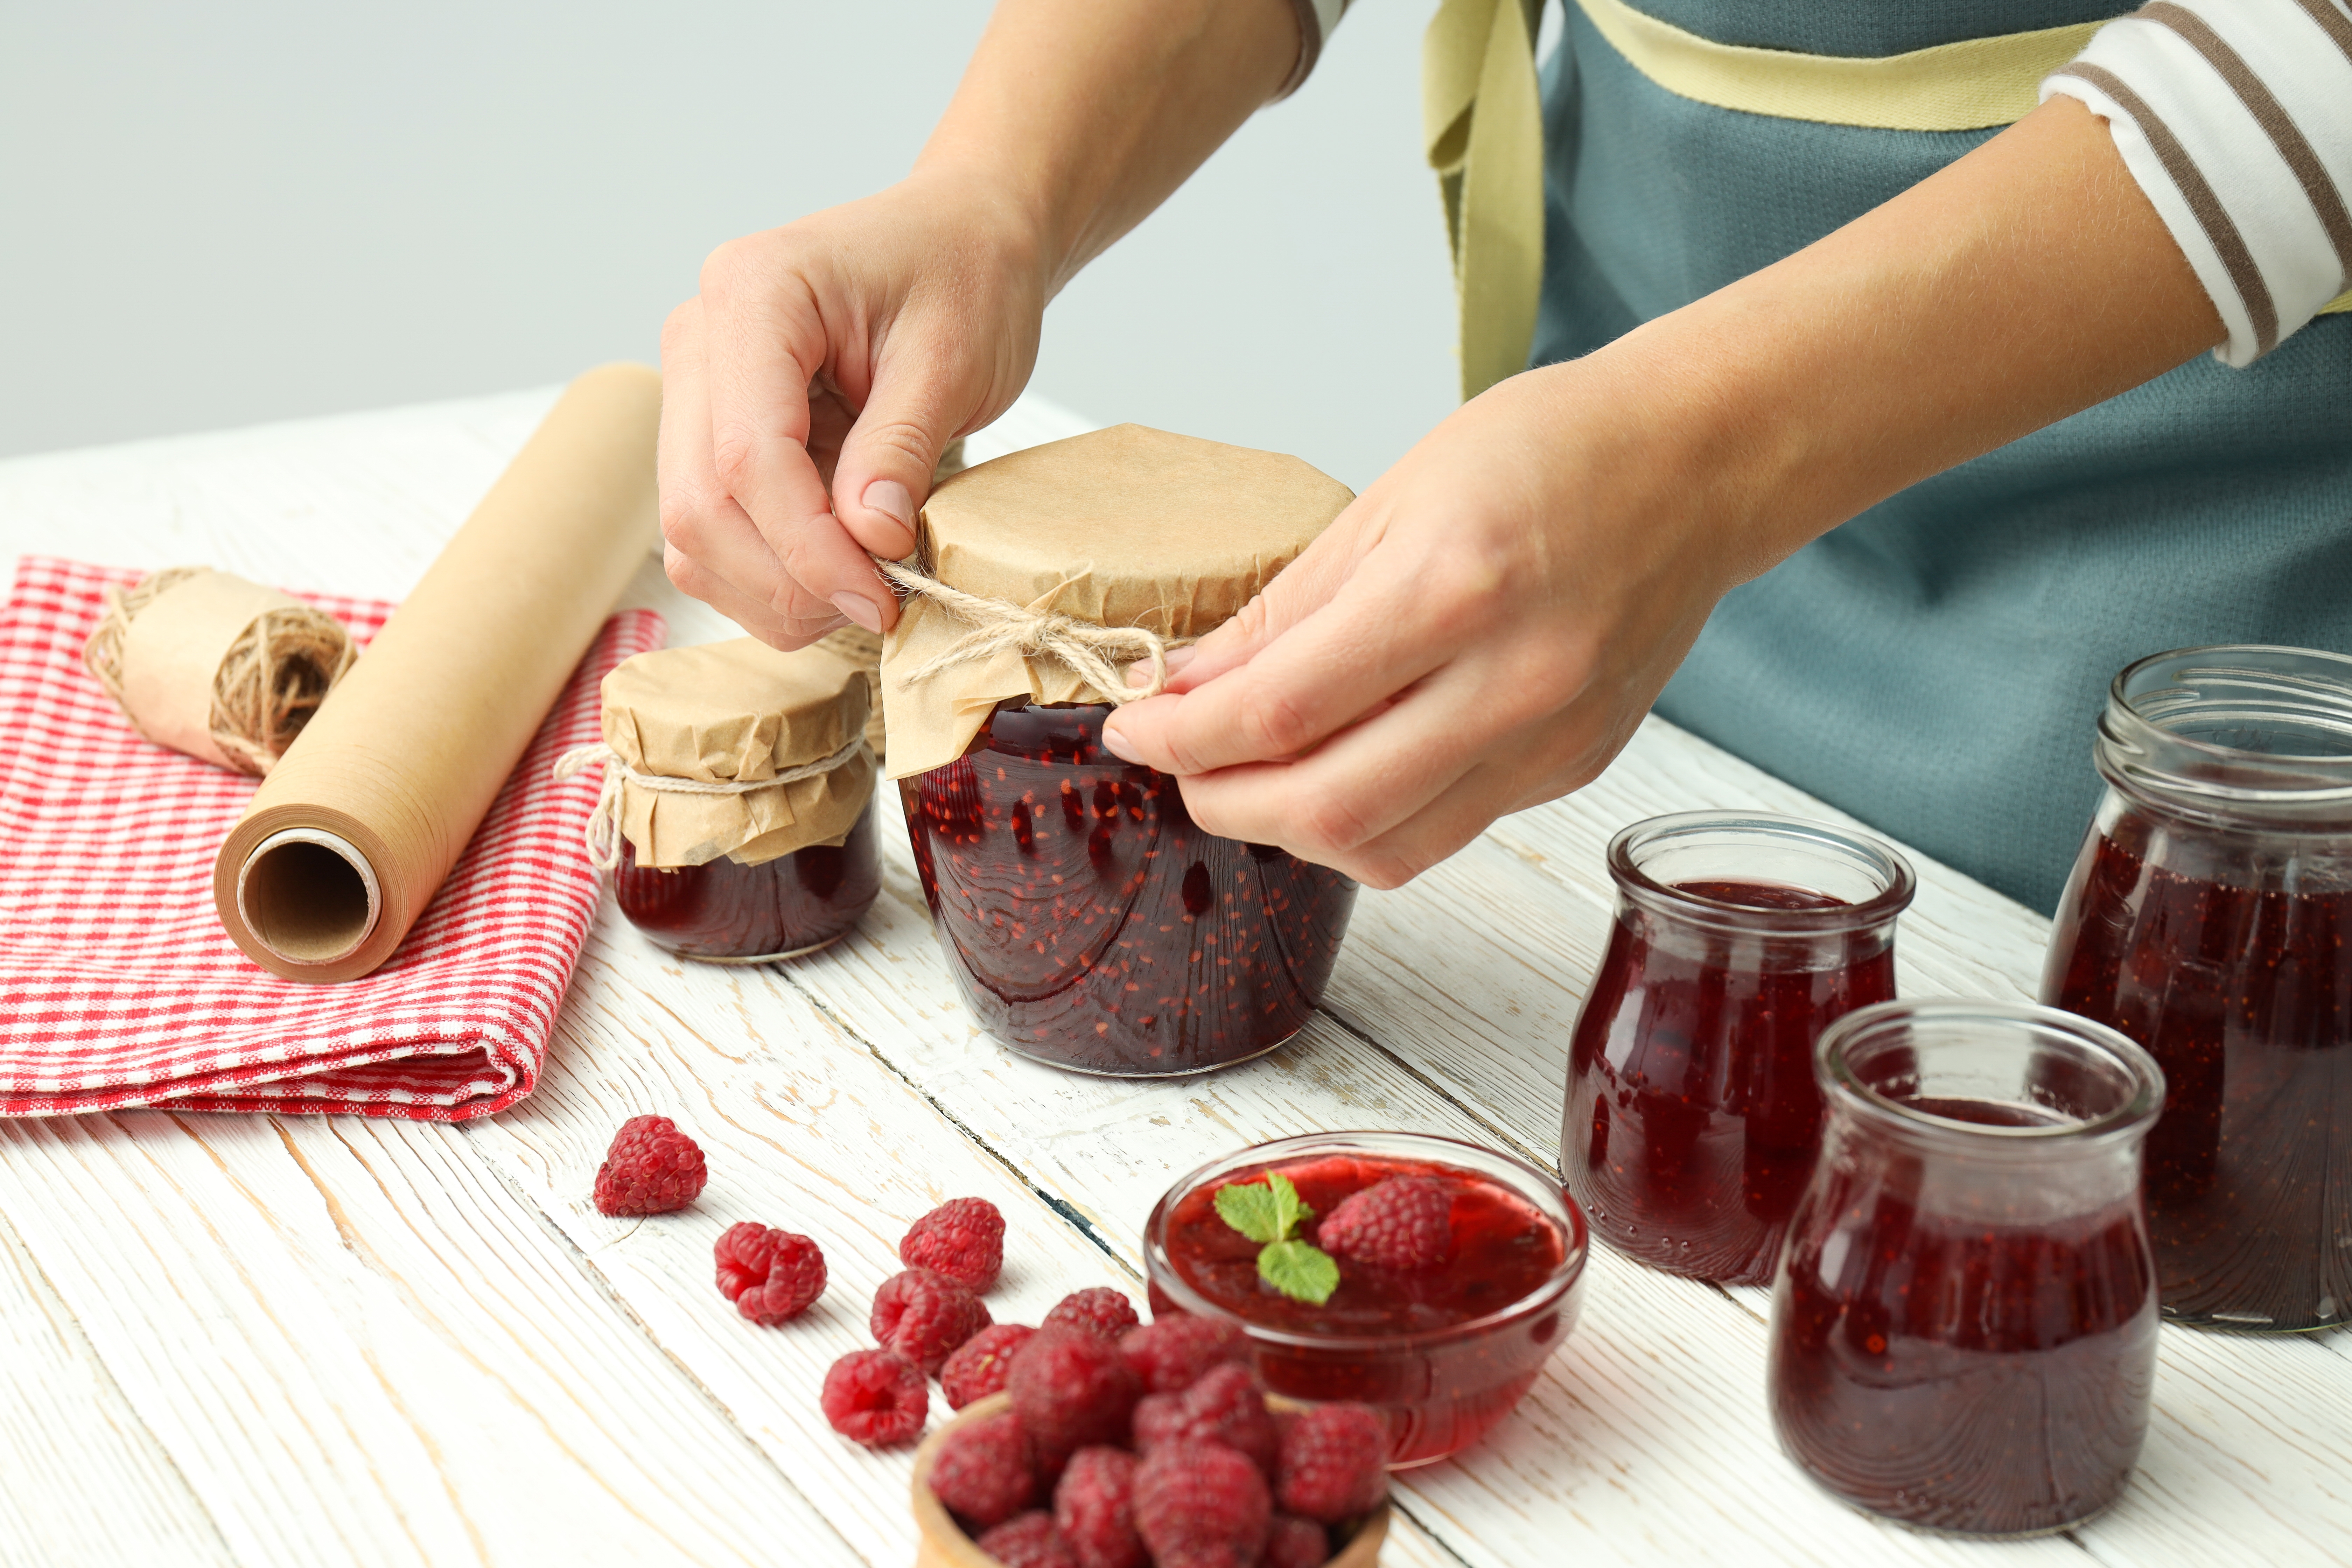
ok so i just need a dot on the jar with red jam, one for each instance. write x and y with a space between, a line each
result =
1692 1118
1444 1346
737 817
1088 921
1964 1323
2207 918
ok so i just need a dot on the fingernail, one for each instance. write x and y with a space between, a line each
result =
1139 672
892 499
1115 744
859 608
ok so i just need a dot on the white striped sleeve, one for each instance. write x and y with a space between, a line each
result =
1316 20
2235 118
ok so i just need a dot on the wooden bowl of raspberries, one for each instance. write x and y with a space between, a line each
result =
1161 1448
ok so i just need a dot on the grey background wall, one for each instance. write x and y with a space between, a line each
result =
216 215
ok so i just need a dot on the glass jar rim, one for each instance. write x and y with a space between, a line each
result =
2131 1118
1537 1186
1899 883
2143 748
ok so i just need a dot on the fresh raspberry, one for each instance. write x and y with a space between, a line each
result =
1170 1354
963 1238
877 1397
651 1168
1029 1541
1204 1554
1333 1463
1100 1310
925 1316
1403 1222
1296 1543
770 1275
982 1472
1226 1405
1094 1508
1071 1389
977 1368
1190 1496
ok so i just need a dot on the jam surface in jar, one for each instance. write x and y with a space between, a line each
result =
1092 925
2244 997
723 910
1396 1345
1694 1118
1962 1373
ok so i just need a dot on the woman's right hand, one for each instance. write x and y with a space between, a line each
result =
808 390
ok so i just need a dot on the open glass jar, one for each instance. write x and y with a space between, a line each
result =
1964 1322
1692 1117
2208 918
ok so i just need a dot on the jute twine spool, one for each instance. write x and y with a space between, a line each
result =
279 666
1095 652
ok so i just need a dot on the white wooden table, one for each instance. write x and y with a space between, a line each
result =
313 1341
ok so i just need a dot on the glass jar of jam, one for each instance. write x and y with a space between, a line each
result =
1964 1323
2208 918
1692 1118
1091 925
723 911
1444 1351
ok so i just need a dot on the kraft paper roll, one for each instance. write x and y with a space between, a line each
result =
352 834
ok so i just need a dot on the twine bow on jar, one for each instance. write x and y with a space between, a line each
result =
603 833
1095 653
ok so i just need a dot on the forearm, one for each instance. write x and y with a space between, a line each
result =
2028 281
1084 115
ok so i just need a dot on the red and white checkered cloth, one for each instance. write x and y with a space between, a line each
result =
118 985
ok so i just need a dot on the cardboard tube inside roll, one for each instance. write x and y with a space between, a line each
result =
353 832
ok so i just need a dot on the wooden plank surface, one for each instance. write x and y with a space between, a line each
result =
321 1341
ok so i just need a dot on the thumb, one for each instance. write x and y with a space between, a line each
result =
1297 591
885 472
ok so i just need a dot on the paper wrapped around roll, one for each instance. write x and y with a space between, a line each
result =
352 834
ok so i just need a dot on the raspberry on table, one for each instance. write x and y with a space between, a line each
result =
876 1398
651 1168
1094 1508
925 1316
1402 1222
979 1365
1296 1543
1170 1353
1072 1390
1333 1462
770 1275
1099 1310
1226 1405
983 1471
1029 1541
1194 1496
963 1238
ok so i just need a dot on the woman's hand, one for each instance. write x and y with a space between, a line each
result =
808 389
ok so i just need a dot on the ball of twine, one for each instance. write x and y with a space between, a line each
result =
270 681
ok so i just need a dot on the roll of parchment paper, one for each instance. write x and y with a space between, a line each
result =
352 834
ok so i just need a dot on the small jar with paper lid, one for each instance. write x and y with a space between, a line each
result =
1089 922
737 810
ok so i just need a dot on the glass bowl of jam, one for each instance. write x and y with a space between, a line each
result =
1091 925
1692 1118
723 911
1445 1349
1964 1323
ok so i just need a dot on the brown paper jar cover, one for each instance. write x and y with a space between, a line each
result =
1127 526
736 712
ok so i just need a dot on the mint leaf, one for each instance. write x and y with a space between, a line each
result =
1263 1211
1299 1270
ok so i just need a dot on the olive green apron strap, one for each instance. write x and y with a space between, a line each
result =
1484 127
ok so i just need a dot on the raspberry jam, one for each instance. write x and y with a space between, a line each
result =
1092 925
1692 1118
1446 1350
727 913
1964 1325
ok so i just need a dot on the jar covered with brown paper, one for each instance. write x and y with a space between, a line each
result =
1088 921
736 812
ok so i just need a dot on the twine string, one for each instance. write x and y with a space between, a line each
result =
602 834
1095 653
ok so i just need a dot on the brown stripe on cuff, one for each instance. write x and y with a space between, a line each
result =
2272 116
2215 218
2332 21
